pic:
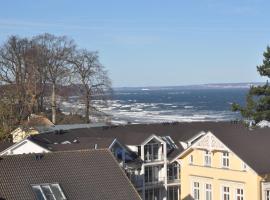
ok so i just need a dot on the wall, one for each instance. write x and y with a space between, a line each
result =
234 177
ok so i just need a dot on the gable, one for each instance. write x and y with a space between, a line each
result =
211 143
24 147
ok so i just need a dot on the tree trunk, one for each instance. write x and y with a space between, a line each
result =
53 104
87 108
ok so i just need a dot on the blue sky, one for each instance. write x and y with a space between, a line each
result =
154 42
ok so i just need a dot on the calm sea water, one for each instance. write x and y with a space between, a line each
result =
169 105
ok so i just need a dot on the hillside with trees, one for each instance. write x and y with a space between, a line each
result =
34 71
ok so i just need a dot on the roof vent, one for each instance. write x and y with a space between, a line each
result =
38 156
96 146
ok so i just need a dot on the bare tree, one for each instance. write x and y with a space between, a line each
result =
14 72
55 54
91 77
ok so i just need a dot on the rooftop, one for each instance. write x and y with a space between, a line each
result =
87 174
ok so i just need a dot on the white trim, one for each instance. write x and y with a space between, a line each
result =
152 137
207 156
189 141
239 188
207 190
192 147
20 143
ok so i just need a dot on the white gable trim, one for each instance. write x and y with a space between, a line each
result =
21 143
197 146
153 137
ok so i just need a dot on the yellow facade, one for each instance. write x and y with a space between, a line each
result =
235 176
19 134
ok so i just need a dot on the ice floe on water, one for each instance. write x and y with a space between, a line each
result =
151 106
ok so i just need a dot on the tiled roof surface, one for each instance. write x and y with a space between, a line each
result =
83 143
82 175
4 145
250 145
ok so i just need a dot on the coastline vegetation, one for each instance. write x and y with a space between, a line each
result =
34 71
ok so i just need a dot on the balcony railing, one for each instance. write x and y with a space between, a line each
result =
153 158
173 179
138 183
159 181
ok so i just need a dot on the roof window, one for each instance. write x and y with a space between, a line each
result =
48 191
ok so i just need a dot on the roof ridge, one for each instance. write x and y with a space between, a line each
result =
53 152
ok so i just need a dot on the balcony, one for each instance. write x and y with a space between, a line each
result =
138 183
152 182
173 180
153 157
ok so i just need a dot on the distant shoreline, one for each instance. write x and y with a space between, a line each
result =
196 86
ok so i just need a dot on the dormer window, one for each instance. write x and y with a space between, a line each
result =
207 158
48 191
225 160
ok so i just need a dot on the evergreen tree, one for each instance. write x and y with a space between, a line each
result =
258 98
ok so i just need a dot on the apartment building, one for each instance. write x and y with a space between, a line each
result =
200 160
227 165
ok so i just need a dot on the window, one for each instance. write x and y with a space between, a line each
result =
151 174
191 159
207 158
48 192
172 193
208 191
267 194
225 159
196 190
151 152
173 171
239 194
152 194
225 193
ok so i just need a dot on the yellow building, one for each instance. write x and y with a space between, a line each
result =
226 166
32 126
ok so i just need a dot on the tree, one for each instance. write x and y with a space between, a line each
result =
258 98
55 53
14 74
91 77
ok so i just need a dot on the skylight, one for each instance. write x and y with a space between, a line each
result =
170 143
48 191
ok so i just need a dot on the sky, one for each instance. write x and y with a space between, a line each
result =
154 42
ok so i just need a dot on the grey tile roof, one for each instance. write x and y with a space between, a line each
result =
4 145
251 146
82 175
82 143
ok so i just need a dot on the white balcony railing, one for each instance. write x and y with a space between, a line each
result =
173 179
153 158
159 181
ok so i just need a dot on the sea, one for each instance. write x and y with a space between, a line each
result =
157 105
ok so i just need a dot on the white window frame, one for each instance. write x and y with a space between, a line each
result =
227 193
49 185
207 158
197 188
225 160
208 191
239 196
